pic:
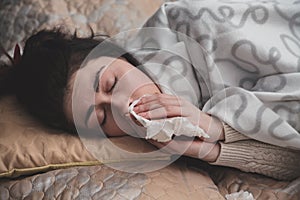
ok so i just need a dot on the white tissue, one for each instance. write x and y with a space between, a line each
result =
163 130
241 195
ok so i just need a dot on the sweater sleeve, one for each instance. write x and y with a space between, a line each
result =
231 135
257 157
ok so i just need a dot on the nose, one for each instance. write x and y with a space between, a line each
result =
102 99
117 102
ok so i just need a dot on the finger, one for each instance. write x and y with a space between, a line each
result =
157 98
162 112
155 104
161 100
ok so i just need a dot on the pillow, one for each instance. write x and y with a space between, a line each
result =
27 147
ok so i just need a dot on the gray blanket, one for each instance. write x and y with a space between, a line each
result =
237 60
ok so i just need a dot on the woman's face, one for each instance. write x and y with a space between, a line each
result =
102 92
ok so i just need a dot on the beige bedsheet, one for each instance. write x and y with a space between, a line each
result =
183 180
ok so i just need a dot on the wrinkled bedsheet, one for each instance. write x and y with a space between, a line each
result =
101 182
185 179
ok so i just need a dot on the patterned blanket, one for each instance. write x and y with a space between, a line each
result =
237 60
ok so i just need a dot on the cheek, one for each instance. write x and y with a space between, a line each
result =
112 127
113 131
118 124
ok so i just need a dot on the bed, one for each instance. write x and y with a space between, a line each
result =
37 162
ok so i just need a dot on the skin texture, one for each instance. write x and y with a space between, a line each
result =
118 84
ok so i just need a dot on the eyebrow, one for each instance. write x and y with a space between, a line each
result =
88 114
96 80
91 108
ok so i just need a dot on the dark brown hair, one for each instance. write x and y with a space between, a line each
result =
40 78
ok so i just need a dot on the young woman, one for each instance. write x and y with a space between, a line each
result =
234 67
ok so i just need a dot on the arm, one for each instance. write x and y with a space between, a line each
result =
232 149
245 154
254 156
249 155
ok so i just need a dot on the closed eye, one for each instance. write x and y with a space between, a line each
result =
104 119
113 85
101 116
110 90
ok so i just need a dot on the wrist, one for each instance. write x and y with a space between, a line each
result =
214 153
212 126
208 152
217 152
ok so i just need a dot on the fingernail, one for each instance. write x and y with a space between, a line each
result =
130 101
142 114
136 109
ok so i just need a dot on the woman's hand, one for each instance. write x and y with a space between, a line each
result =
160 106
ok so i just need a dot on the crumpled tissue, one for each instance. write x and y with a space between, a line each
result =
163 130
241 195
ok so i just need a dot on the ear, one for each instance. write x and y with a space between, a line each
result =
17 55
